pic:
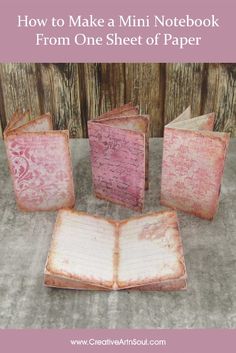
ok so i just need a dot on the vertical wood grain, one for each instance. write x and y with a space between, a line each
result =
19 89
210 86
76 125
75 93
145 86
60 94
183 88
219 93
111 86
101 88
55 96
225 97
92 78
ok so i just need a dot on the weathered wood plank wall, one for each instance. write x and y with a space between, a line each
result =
74 93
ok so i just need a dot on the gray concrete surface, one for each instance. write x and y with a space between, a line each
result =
210 254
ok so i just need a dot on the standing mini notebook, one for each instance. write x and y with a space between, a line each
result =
193 164
93 253
40 163
119 155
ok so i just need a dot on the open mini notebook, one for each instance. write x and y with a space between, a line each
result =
193 164
40 163
119 147
93 253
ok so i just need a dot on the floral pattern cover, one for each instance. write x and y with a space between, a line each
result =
40 165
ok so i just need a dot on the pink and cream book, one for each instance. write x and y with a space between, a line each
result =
40 163
88 252
193 164
119 145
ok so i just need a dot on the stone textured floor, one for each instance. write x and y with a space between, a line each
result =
210 255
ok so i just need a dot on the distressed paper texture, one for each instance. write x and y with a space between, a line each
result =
18 119
82 248
130 122
118 165
192 166
204 122
125 110
150 250
119 144
40 165
92 253
43 123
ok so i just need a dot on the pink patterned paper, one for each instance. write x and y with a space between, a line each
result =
41 169
118 164
192 169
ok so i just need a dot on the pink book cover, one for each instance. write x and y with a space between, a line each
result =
40 163
193 165
119 156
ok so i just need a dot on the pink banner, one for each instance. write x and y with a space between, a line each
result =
139 341
125 31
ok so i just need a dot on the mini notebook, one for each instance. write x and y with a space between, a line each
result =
119 145
193 164
94 253
40 163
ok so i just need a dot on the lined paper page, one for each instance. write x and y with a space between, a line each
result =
82 248
150 250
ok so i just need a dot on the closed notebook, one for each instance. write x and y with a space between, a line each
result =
40 163
119 156
193 164
94 253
